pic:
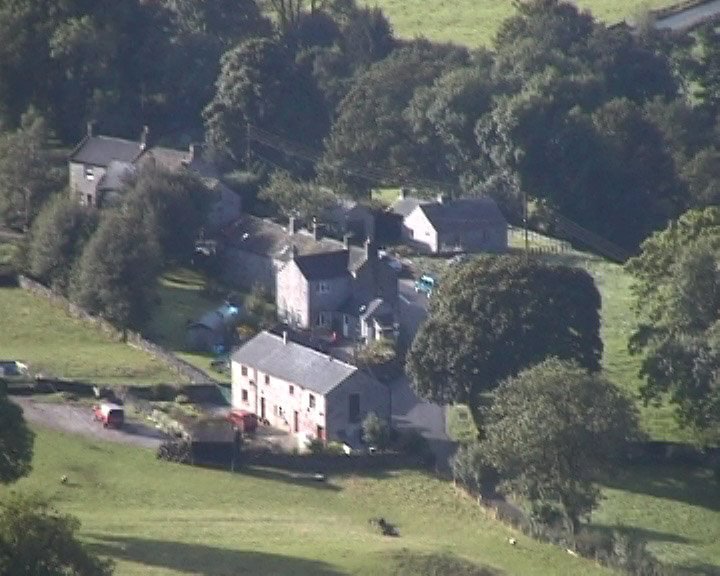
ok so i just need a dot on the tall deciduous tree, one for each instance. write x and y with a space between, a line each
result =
29 170
678 301
179 202
259 85
552 430
16 442
37 540
57 238
493 317
305 200
117 272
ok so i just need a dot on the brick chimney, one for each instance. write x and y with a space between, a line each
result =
370 249
145 138
442 198
316 230
292 225
346 241
91 129
196 152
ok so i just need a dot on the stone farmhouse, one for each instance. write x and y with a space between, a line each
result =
445 226
100 166
303 391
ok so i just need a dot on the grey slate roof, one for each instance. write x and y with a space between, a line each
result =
404 206
294 363
463 214
101 150
323 265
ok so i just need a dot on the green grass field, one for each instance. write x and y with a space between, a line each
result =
160 519
37 332
475 22
182 299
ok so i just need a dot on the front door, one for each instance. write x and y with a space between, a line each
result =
321 433
262 408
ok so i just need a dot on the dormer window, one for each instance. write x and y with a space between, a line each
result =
323 287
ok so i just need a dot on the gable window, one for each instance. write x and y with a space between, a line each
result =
354 408
89 173
311 401
243 370
244 395
323 287
291 390
267 379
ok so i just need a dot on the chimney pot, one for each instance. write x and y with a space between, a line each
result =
292 225
145 138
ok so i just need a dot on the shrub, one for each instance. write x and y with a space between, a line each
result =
594 543
377 352
376 432
163 392
316 446
470 469
174 451
69 396
335 449
182 399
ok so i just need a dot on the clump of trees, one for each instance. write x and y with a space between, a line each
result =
496 316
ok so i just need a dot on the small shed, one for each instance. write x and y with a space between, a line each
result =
214 442
213 329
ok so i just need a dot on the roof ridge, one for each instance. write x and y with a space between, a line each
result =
316 352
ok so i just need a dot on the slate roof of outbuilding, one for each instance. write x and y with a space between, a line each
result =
404 206
463 214
101 150
294 363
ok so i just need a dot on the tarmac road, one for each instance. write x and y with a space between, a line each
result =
78 419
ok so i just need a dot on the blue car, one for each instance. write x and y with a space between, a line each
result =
425 284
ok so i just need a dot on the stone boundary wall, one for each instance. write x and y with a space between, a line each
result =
134 339
330 463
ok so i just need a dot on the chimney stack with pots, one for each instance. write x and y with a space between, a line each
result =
292 225
284 336
91 129
317 234
145 138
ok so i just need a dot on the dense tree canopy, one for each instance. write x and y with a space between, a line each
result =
305 200
57 238
16 441
552 429
117 272
37 540
29 170
677 290
492 317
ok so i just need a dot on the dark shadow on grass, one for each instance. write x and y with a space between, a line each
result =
204 560
695 486
641 534
700 570
407 563
296 478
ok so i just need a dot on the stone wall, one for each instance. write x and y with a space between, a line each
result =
134 339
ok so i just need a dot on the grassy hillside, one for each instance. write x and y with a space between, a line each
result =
474 22
160 519
35 331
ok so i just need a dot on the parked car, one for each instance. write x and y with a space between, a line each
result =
111 415
425 285
243 420
393 262
13 372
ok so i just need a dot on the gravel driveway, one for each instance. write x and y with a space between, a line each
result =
78 419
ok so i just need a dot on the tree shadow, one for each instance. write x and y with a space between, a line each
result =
637 534
202 559
694 486
407 563
307 479
700 570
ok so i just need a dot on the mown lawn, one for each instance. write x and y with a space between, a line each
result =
160 519
182 299
37 332
475 22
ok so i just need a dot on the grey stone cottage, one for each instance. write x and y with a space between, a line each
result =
444 226
100 165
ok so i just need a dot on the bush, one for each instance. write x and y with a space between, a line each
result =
470 469
376 432
315 446
174 451
182 399
595 544
335 449
377 352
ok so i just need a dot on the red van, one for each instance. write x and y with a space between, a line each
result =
111 415
243 420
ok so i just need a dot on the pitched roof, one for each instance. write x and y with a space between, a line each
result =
463 214
404 206
294 363
101 150
323 265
